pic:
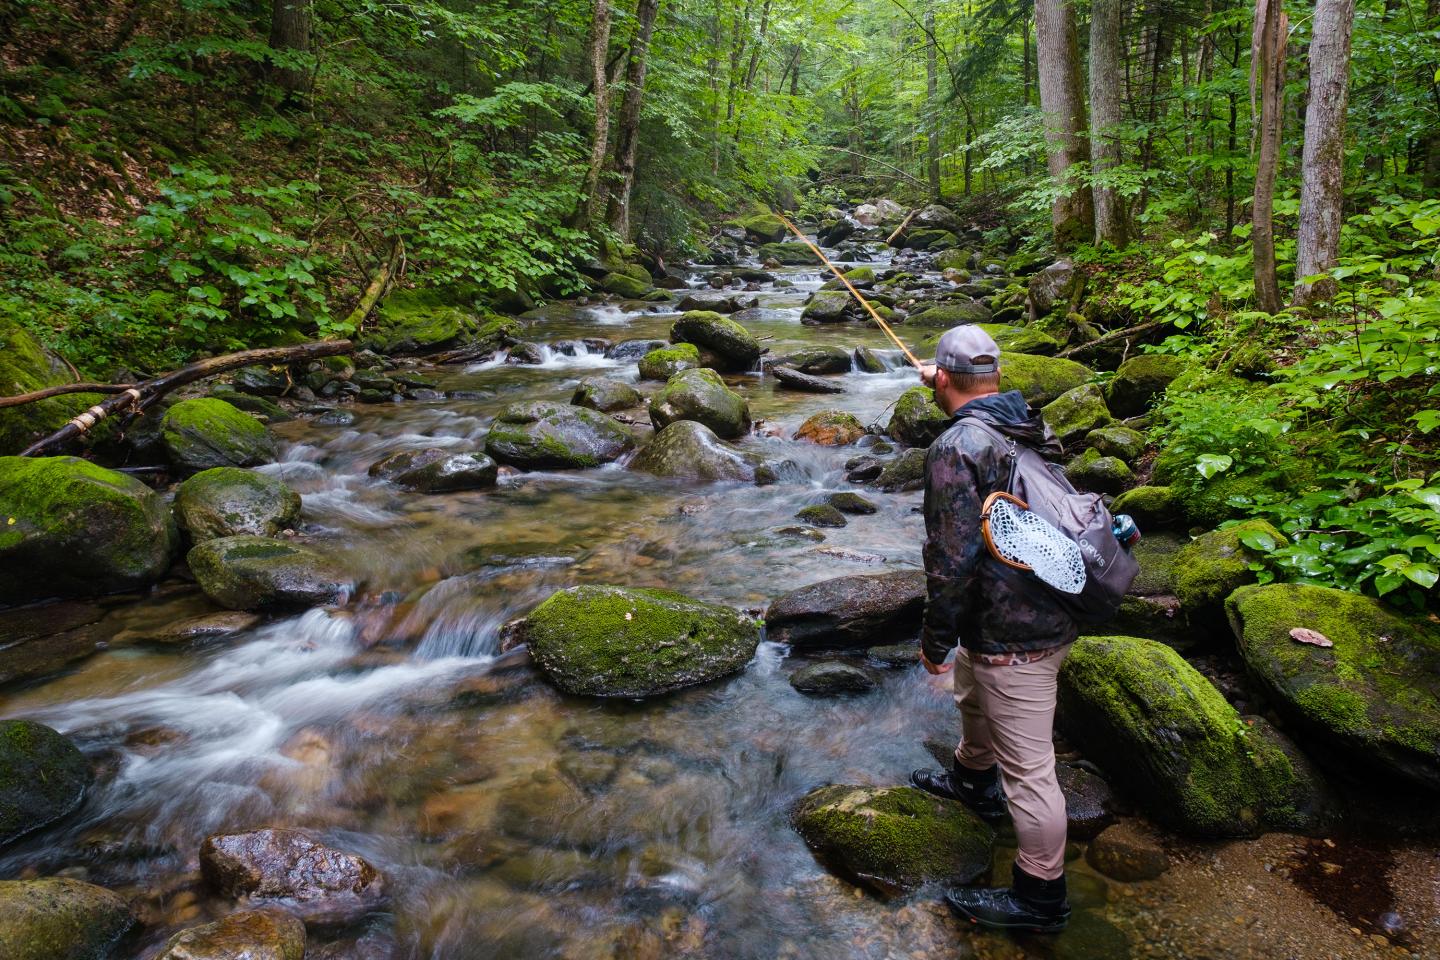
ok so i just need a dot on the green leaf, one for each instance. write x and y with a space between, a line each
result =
1258 540
1209 464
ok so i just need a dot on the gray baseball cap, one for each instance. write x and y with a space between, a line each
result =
967 349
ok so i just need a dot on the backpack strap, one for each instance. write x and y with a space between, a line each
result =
1011 445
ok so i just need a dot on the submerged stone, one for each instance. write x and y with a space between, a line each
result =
437 470
791 379
252 573
318 883
701 396
847 502
821 515
849 612
43 777
689 450
831 428
207 432
224 501
556 436
57 918
830 678
247 935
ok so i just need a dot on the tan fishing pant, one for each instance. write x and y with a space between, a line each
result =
1007 717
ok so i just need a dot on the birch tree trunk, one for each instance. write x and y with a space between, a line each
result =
1267 63
599 47
1105 117
932 126
1322 169
1058 57
627 138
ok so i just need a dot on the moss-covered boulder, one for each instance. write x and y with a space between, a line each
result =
833 678
664 363
252 573
57 918
1215 564
1140 380
861 278
1041 379
701 395
905 472
763 227
1226 496
626 287
1372 699
247 935
733 347
1153 508
829 306
893 840
607 396
930 239
790 254
556 436
43 777
690 450
1120 442
70 528
225 501
831 428
25 367
417 322
819 360
950 314
1053 287
1099 474
208 432
917 420
1076 412
953 259
437 470
605 641
1150 609
1023 339
1165 734
821 515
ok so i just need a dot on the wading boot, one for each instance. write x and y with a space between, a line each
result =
977 789
1029 903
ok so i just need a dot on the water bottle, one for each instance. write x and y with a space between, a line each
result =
1125 530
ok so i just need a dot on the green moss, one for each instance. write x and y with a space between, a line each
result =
224 501
1040 379
57 918
791 254
1120 442
918 420
418 321
1141 379
249 573
735 347
1152 507
947 315
953 259
821 515
1099 474
627 287
664 363
1076 412
543 436
701 395
208 432
43 777
1209 568
25 367
764 227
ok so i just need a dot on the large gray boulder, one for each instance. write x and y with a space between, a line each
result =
732 346
225 501
701 395
253 573
57 918
43 777
828 306
690 450
849 612
556 436
1052 287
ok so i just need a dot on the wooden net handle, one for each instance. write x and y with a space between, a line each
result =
985 527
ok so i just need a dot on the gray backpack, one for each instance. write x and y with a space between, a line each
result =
1039 487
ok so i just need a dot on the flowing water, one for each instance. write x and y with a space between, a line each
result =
512 821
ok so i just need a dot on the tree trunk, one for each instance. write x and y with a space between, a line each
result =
290 35
1105 117
932 125
1430 143
1267 62
627 139
1323 167
599 47
1058 56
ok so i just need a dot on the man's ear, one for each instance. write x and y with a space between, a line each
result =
942 379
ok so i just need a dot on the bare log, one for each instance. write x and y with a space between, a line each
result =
20 399
138 397
1112 337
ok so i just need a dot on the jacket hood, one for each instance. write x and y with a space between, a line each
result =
1009 414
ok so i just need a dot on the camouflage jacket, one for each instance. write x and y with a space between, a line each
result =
985 606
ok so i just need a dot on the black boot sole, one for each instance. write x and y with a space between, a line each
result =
989 815
1053 926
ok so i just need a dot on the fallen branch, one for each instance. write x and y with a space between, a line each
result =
1109 337
19 400
141 395
903 224
377 286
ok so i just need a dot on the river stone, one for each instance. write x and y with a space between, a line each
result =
715 301
1140 380
289 869
894 655
665 362
625 286
821 515
701 396
261 380
949 314
831 428
734 347
905 472
70 528
1052 287
828 306
555 436
791 379
869 361
1373 698
764 227
1076 412
929 239
206 626
1128 853
605 641
57 918
1120 442
830 678
819 360
853 503
247 935
690 450
1040 379
789 254
861 278
1096 474
936 217
250 573
893 840
43 777
634 349
1215 564
437 470
918 420
208 432
1163 732
26 366
1089 802
598 393
224 501
417 321
849 612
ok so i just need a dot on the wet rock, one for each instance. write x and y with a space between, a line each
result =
1151 610
918 420
664 363
526 354
1154 508
262 381
1076 412
625 286
828 306
287 868
1128 853
849 612
606 641
788 254
892 840
831 428
715 302
831 678
607 396
437 470
1373 698
837 231
1052 287
895 655
61 919
336 418
1096 474
690 450
1089 804
869 361
1163 732
946 315
206 432
421 321
905 472
268 411
247 935
1215 564
1040 379
1120 442
821 515
224 501
763 227
634 349
701 396
863 469
554 436
732 346
861 278
791 379
252 573
853 503
929 239
43 777
206 626
1140 380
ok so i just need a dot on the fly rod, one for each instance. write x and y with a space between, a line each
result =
856 293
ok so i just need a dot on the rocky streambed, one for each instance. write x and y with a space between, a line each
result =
598 641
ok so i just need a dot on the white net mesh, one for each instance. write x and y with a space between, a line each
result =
1025 537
